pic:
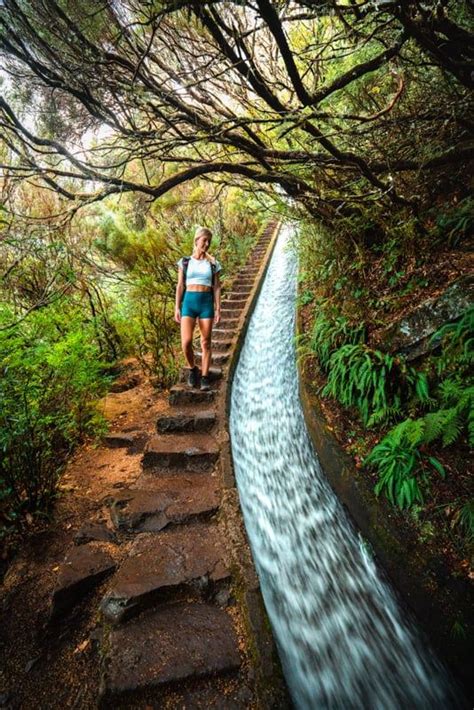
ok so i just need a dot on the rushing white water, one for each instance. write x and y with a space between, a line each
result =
343 639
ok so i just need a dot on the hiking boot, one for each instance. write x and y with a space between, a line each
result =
193 376
205 383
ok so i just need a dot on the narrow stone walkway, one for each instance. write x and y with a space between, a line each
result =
174 632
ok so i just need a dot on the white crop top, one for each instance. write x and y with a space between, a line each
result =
199 271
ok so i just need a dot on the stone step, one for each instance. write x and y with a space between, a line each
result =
171 500
234 301
222 336
223 333
215 372
84 567
217 359
228 310
168 646
185 451
201 421
221 344
183 394
242 288
160 566
246 281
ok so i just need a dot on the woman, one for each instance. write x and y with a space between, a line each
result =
198 280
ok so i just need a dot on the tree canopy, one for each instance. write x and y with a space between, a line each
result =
334 103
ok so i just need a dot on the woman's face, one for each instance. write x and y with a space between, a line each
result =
202 243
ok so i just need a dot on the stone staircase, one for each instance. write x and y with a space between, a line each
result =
180 617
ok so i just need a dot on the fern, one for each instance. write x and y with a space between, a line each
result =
377 383
329 334
402 468
464 518
457 343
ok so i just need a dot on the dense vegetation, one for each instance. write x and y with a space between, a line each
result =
74 301
353 117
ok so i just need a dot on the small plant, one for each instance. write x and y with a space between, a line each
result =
458 629
464 519
403 469
456 223
329 334
377 383
458 343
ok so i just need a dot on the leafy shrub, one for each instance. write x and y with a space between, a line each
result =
377 383
51 377
457 343
398 457
402 468
456 223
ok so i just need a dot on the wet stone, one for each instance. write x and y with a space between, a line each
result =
83 568
170 645
183 394
413 334
215 373
189 556
182 422
171 500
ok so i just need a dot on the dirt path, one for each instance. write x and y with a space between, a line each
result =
128 599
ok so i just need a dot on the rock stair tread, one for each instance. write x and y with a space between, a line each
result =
177 443
182 394
157 564
194 418
83 568
170 500
180 641
172 644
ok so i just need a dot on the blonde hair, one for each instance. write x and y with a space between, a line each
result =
202 232
205 232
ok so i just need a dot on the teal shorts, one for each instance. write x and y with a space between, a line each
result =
198 304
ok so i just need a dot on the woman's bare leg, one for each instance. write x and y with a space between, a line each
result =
205 326
187 329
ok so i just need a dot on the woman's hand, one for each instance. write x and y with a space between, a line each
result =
177 315
217 316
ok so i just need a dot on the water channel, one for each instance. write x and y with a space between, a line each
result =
343 638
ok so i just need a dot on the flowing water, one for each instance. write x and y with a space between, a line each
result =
343 639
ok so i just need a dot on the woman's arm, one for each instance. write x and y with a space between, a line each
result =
179 296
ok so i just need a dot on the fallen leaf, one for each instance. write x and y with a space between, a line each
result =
82 646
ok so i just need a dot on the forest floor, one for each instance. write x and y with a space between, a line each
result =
55 666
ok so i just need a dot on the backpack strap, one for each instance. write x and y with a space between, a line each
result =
186 260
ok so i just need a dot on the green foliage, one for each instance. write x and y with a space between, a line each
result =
402 468
328 334
377 383
398 458
455 222
51 378
457 343
464 518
